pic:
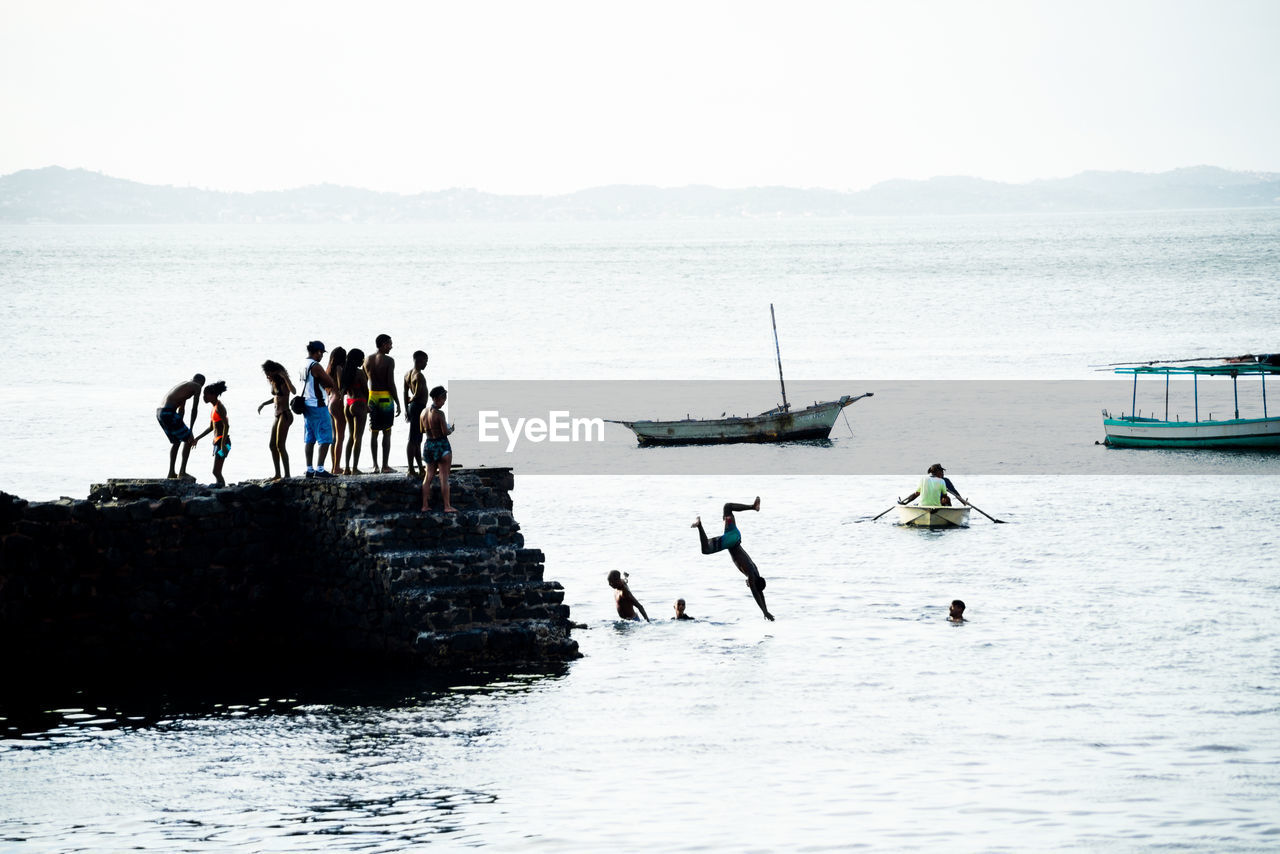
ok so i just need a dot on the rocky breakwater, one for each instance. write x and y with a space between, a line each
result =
300 570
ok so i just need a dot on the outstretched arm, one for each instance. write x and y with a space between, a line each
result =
912 497
639 607
951 487
758 595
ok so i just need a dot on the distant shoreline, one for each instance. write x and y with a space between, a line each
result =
54 195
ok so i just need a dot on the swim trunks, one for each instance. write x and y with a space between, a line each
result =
171 424
415 416
435 450
222 447
728 540
318 427
382 410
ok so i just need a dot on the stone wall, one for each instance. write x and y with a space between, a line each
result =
156 570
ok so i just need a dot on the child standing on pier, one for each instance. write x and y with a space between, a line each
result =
219 426
437 453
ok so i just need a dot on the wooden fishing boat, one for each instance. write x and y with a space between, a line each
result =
919 516
780 424
1135 431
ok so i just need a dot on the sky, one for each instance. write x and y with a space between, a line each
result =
550 97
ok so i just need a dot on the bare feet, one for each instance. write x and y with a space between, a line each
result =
697 524
354 471
388 470
172 476
756 506
187 477
451 509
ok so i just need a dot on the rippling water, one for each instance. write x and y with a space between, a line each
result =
1117 687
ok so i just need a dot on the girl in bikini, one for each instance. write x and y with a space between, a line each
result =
356 383
337 406
219 426
281 388
437 453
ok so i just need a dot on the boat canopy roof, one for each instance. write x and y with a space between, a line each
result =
1222 370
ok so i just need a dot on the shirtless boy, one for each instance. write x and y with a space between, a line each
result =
170 417
415 400
381 369
626 603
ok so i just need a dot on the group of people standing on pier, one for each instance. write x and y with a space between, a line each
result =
336 400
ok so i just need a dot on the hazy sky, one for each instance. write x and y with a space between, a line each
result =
546 97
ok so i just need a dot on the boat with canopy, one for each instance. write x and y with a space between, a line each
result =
1133 430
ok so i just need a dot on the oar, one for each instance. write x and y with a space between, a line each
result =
980 510
873 518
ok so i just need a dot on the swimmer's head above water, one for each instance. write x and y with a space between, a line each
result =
957 612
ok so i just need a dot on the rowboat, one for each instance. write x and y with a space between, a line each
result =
1135 431
919 516
780 424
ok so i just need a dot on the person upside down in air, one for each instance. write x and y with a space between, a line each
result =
731 541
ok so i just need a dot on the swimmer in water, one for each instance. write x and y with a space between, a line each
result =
627 604
680 614
731 540
957 612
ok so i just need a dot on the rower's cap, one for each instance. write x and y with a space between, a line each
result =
936 467
314 346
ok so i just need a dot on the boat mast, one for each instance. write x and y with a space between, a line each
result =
778 350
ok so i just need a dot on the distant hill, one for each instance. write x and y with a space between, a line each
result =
58 195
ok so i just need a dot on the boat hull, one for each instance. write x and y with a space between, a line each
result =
1129 432
916 516
813 422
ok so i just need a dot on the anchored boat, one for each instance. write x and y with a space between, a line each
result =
780 424
1133 431
919 516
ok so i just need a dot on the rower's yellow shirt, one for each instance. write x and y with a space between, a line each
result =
931 490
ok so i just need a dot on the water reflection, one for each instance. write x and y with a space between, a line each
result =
46 712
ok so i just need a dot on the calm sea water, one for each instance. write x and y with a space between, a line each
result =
1117 688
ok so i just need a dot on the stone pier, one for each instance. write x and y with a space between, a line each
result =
308 569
